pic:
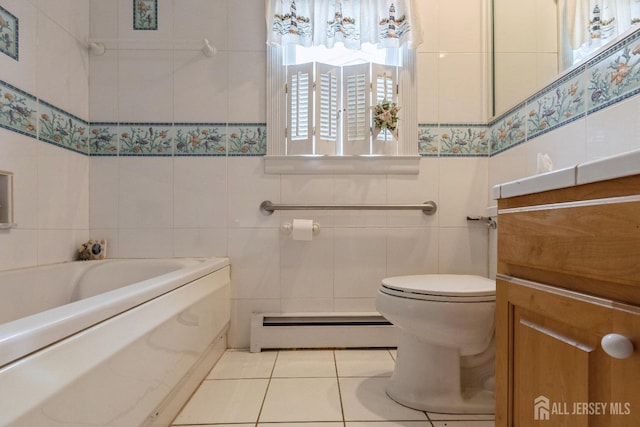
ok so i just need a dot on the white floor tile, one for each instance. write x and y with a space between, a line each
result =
464 424
364 363
389 424
242 364
334 424
434 416
224 401
365 399
305 363
302 399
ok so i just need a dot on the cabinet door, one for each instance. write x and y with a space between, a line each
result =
550 365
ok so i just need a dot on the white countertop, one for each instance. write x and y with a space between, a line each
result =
617 166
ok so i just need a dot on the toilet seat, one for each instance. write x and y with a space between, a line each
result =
451 288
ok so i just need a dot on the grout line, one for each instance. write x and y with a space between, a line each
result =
264 399
335 366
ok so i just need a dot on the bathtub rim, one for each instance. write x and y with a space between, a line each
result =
22 337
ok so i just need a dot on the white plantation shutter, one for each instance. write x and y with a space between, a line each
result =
300 109
385 83
328 105
356 120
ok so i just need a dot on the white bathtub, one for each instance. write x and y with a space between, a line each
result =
109 343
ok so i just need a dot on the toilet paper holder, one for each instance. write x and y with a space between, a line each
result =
287 228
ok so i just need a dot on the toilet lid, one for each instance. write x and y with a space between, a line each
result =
441 287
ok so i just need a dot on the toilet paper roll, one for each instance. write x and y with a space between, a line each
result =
302 229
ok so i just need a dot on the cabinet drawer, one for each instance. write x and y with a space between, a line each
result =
591 246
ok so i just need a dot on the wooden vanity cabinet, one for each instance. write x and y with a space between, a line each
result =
568 274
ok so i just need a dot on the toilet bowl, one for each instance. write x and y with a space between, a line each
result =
445 357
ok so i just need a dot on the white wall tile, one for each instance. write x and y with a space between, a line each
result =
22 73
145 90
247 14
414 189
248 187
18 154
200 192
62 68
508 165
199 242
306 267
72 15
63 198
412 251
360 261
103 87
460 94
428 10
464 250
613 130
200 90
247 87
565 146
103 192
460 26
18 248
145 189
103 19
360 189
428 87
145 243
201 19
463 190
55 246
256 260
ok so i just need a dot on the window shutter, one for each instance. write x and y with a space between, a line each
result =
356 121
328 99
385 81
300 109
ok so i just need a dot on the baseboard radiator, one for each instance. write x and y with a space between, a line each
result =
321 330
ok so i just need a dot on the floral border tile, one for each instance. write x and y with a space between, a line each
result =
247 139
561 102
458 140
615 74
9 34
145 139
145 14
104 139
63 129
200 139
428 140
508 130
18 110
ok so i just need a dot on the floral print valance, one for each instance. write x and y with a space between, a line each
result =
352 22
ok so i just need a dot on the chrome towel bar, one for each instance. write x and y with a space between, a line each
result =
428 208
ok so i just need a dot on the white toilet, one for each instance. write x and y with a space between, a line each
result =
446 351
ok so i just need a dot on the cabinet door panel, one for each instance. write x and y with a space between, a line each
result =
552 338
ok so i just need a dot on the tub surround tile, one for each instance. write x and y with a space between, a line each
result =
463 140
146 139
18 110
103 140
9 33
615 74
145 14
562 102
428 143
200 139
63 129
509 130
247 139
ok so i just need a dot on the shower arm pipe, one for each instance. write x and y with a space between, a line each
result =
267 207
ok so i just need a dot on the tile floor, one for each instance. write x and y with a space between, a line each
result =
307 388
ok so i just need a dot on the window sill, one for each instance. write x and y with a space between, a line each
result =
342 165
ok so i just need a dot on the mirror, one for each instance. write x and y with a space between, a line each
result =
535 40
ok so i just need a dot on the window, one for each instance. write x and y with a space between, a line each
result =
323 82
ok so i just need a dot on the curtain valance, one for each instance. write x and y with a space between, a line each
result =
325 22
